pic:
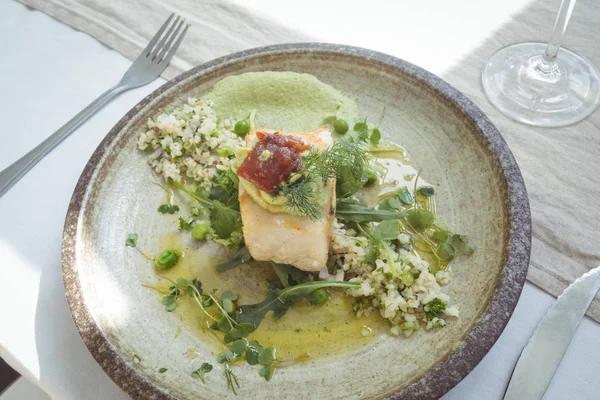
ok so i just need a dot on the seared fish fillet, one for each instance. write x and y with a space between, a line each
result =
286 238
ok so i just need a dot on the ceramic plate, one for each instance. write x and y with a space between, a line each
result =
481 194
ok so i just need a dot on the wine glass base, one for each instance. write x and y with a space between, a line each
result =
519 83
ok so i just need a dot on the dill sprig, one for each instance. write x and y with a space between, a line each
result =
301 197
344 161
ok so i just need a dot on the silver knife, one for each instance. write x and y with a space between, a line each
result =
547 346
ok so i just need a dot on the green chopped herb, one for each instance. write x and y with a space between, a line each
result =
435 309
162 370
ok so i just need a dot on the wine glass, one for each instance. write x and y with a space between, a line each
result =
536 84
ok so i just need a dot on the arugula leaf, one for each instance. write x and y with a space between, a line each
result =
309 287
289 275
255 313
277 301
239 257
168 208
420 219
241 330
357 213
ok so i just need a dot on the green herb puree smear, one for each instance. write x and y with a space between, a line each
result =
289 101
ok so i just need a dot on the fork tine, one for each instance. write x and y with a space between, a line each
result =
164 39
155 38
173 49
167 46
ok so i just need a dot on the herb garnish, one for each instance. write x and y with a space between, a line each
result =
225 222
131 241
203 370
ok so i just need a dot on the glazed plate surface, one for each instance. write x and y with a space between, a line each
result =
480 194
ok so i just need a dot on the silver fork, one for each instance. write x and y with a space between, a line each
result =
146 68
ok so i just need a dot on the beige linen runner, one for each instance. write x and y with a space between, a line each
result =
561 166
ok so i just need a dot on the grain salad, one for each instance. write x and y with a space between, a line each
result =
189 141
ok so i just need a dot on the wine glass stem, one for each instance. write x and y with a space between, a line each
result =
560 26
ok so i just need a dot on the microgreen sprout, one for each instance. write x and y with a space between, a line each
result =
132 241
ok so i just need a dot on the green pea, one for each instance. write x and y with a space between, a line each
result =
224 151
340 126
408 326
371 177
242 127
167 259
319 296
200 231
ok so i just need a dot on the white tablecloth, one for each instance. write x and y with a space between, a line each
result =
48 73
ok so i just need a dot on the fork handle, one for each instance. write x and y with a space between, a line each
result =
13 173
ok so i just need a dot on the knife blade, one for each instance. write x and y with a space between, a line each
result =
547 346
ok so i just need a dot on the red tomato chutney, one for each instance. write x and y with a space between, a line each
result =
272 160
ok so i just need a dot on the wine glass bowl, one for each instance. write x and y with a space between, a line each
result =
543 84
525 86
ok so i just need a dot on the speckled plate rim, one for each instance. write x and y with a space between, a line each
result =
435 382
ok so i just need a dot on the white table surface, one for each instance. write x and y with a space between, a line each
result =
48 72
